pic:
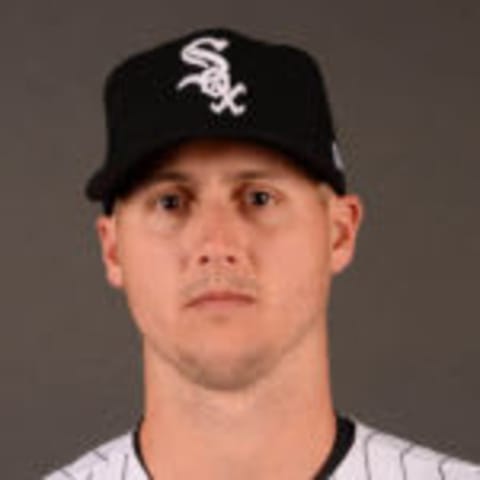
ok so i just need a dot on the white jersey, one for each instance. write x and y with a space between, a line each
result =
370 455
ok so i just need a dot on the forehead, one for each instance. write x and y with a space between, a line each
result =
198 160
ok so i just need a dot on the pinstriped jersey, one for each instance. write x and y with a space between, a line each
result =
372 455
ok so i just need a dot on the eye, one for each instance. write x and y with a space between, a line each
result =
171 201
259 197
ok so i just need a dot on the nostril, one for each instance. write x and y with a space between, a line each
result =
205 259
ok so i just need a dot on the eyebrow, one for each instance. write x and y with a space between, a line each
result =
173 175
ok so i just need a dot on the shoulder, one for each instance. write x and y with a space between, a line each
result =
115 458
376 454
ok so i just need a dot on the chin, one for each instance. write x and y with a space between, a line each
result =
225 371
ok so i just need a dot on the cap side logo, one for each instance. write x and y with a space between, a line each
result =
337 157
214 80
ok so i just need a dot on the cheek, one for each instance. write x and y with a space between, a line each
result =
298 273
149 281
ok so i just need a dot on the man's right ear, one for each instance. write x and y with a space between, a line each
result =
106 227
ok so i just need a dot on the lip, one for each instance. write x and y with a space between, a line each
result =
220 297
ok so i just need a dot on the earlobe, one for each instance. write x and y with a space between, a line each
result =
107 234
346 217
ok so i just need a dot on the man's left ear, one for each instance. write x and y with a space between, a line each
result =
346 215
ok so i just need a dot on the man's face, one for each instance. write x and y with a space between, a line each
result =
238 218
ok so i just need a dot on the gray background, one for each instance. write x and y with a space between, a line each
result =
403 80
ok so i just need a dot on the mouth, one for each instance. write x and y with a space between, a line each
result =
221 299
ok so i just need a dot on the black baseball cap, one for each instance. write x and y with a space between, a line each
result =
216 83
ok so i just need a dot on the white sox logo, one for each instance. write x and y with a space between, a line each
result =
214 80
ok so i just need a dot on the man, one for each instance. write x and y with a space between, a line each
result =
226 216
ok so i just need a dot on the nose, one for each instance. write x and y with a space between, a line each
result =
219 237
214 258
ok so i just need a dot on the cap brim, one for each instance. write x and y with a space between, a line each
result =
105 182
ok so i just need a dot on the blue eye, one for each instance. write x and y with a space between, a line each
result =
170 201
259 197
178 201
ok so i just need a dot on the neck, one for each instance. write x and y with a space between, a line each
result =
283 427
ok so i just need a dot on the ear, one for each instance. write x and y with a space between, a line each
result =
107 234
346 215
